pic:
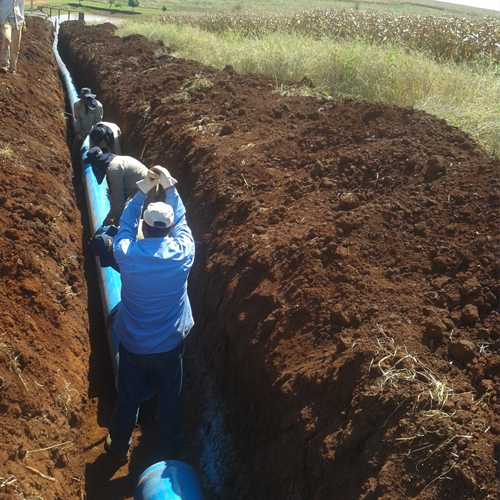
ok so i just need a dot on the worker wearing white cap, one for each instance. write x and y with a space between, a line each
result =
154 315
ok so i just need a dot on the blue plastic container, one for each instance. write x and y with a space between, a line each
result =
169 480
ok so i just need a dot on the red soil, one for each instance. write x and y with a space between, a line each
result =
345 290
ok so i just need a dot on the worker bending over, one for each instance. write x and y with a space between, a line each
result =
122 174
106 135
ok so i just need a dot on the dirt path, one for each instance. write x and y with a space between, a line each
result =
345 289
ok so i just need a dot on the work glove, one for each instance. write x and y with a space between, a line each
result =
166 180
24 27
151 180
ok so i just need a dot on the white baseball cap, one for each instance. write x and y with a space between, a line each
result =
159 214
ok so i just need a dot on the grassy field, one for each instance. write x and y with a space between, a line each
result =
151 7
450 70
433 56
423 7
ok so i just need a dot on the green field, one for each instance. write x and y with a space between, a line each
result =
151 7
440 59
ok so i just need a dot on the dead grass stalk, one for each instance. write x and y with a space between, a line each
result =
403 370
12 360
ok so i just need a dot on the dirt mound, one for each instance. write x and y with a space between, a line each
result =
44 348
345 289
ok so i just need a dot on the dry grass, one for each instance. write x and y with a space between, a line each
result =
65 400
5 150
7 481
433 433
12 360
198 84
419 384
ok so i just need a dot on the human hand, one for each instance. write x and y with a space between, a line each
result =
151 180
166 180
78 137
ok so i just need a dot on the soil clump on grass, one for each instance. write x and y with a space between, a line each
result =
345 289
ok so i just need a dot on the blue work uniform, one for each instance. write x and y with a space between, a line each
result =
153 318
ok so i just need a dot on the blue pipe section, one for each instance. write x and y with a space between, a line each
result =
169 480
98 208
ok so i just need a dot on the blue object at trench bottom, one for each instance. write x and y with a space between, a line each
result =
169 480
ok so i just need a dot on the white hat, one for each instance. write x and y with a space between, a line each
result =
159 214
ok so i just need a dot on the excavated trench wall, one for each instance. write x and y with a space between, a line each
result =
293 300
44 343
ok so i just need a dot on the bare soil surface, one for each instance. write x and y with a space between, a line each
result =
345 290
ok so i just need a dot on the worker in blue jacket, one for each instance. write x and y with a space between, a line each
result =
154 315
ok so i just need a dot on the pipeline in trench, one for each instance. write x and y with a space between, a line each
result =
210 444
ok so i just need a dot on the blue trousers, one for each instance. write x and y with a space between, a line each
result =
137 373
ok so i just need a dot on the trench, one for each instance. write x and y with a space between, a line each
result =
208 449
232 406
281 399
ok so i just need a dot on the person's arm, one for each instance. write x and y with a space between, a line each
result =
117 146
114 174
77 118
115 129
174 200
129 224
183 239
19 13
99 112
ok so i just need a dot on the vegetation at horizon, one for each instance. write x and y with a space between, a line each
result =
442 37
443 64
151 7
442 73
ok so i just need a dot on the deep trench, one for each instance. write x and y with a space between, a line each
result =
208 445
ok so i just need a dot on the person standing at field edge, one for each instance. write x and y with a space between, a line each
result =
13 24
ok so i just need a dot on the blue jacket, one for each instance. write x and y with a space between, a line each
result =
155 313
